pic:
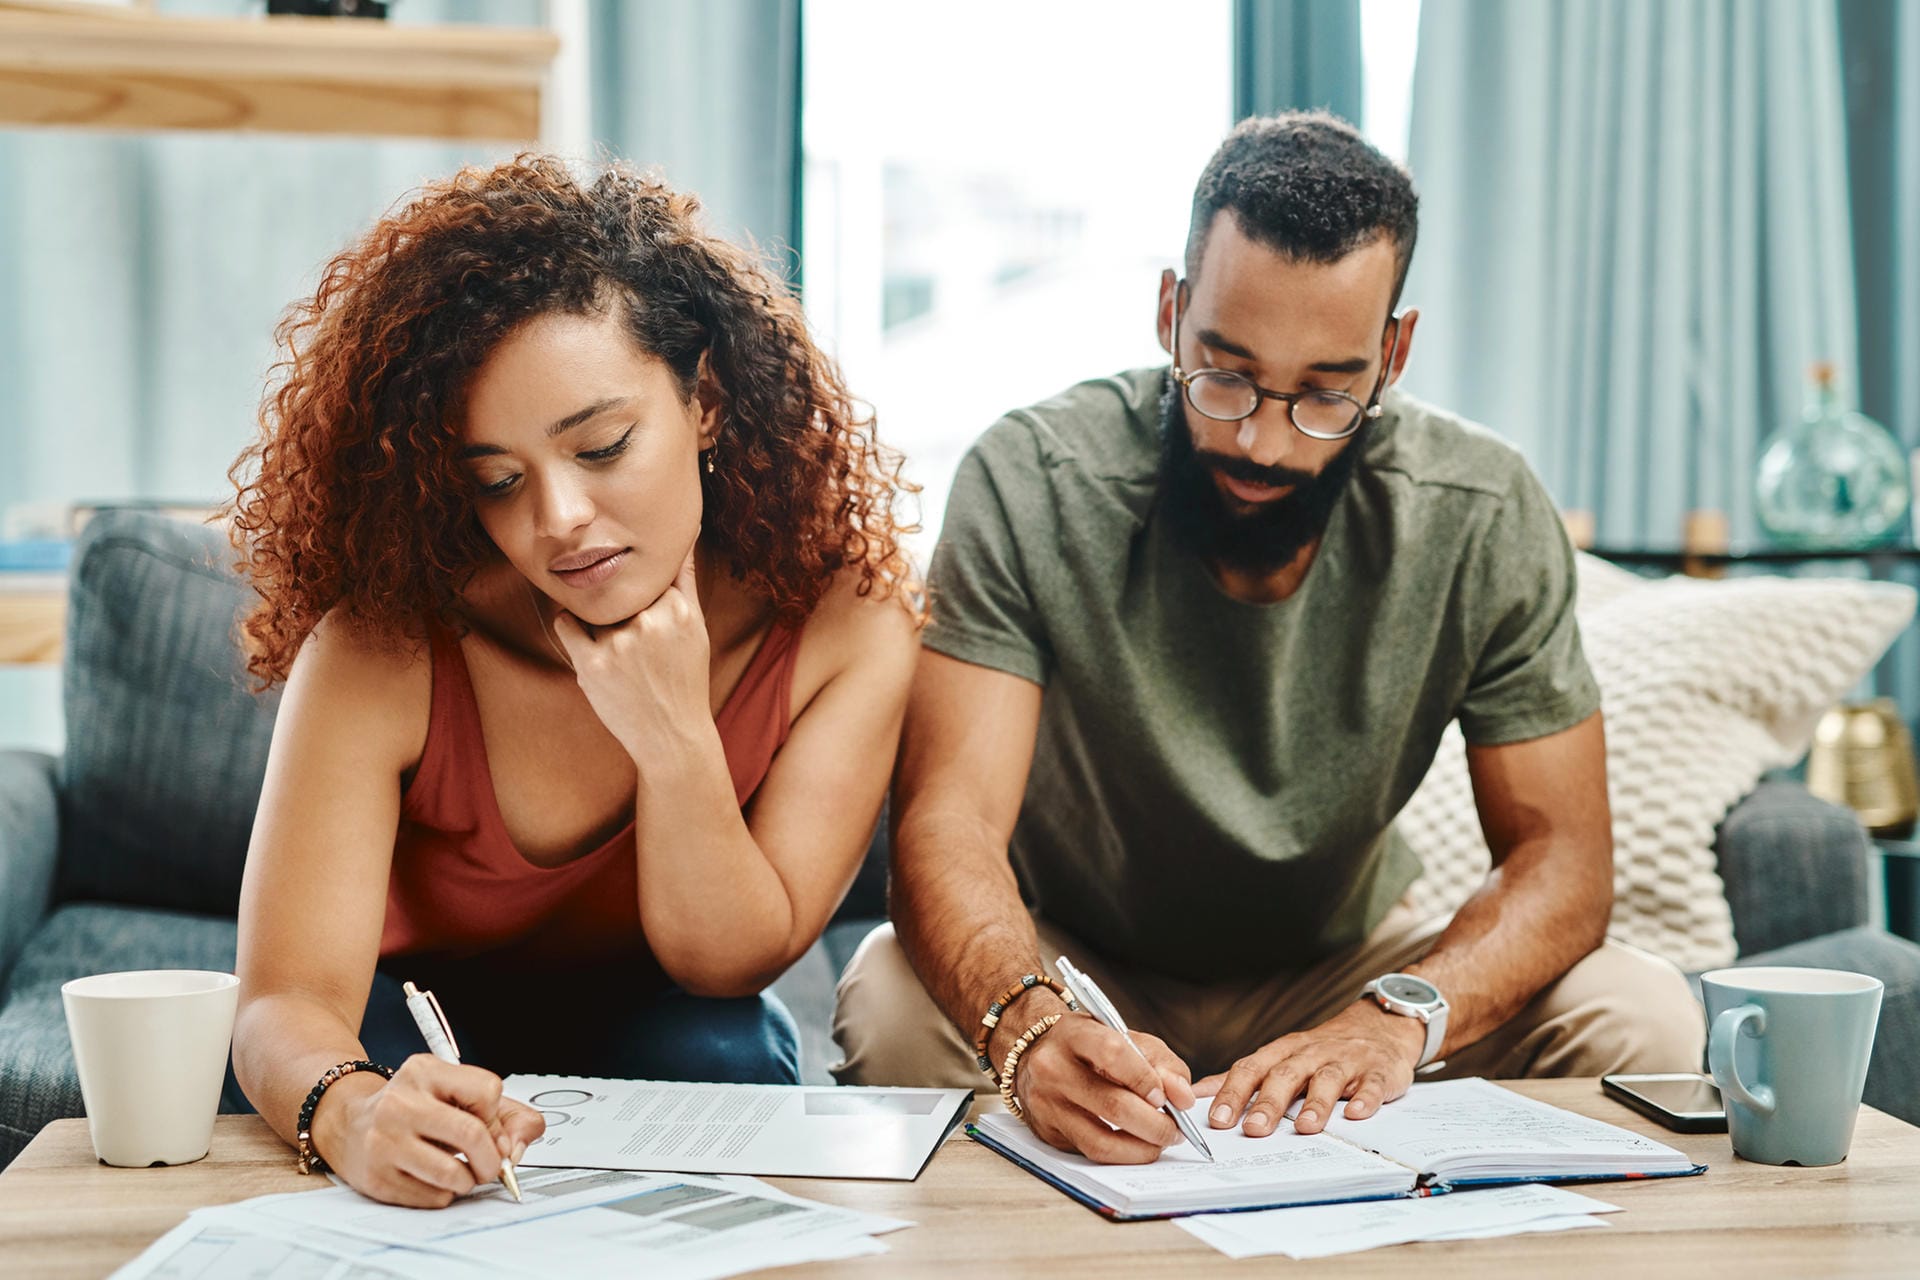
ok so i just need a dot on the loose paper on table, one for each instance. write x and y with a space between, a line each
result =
574 1222
1326 1230
791 1131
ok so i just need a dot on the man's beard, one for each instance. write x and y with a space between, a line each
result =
1201 518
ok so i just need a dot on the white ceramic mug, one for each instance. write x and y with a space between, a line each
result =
151 1048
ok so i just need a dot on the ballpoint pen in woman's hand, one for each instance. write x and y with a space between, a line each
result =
439 1037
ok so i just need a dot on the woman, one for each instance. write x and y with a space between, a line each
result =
584 579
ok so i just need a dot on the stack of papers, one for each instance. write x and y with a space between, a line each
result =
574 1222
1348 1228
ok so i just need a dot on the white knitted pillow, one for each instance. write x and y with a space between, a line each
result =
1705 685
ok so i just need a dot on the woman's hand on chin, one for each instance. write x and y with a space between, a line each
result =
646 678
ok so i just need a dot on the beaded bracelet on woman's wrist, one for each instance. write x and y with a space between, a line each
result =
309 1160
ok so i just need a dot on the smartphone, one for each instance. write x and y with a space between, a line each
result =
1681 1100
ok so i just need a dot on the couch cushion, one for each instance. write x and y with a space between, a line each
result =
1705 685
166 745
1794 866
37 1079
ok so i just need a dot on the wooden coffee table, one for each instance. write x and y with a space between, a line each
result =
64 1214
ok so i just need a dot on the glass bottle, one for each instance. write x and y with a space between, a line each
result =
1836 479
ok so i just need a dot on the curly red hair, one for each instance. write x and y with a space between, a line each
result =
353 498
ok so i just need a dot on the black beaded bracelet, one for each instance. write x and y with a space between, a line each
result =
309 1161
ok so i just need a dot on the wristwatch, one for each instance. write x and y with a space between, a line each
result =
1413 997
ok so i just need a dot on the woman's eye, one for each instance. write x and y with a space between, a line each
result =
498 487
613 450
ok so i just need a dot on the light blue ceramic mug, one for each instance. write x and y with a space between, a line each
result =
1788 1048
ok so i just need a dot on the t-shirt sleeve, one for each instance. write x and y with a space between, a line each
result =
979 595
1531 678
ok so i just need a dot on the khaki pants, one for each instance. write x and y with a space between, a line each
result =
1619 1009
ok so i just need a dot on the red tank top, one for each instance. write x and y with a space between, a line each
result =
460 890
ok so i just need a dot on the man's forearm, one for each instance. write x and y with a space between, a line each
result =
1537 915
957 911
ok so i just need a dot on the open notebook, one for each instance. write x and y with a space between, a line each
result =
1436 1138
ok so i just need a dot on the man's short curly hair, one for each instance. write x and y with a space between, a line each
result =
353 496
1306 184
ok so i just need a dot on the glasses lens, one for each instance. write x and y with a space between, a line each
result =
1222 395
1326 413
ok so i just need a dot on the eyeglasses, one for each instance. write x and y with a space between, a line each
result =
1226 396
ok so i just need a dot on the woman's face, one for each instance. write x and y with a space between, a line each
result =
586 462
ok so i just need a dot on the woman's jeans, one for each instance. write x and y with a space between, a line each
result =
565 1028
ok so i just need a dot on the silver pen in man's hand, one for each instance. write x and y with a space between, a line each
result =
1095 1002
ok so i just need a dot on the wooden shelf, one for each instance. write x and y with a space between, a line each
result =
84 65
33 625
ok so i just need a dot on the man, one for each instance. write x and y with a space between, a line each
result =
1196 633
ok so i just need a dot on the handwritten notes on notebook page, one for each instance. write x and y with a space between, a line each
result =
1433 1138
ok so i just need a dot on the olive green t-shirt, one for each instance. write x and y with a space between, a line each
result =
1214 782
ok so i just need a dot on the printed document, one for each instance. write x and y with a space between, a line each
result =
795 1131
574 1222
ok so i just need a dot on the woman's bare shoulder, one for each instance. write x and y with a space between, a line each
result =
855 628
354 681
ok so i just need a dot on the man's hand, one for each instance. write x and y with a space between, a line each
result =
1362 1053
1081 1080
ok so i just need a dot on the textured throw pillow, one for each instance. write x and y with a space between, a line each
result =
1705 685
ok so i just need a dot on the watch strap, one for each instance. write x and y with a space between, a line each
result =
1436 1036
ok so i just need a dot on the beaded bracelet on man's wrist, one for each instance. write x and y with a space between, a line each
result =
991 1018
1020 1046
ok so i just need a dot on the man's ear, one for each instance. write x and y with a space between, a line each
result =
1163 319
1408 319
708 401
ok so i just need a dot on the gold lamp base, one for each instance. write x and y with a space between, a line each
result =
1862 757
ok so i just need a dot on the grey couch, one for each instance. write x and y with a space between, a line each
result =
126 852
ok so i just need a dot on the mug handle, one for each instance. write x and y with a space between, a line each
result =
1726 1029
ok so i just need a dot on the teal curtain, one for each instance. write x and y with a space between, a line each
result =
1296 53
709 92
1880 42
1634 239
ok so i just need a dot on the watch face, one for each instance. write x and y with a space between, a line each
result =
1406 987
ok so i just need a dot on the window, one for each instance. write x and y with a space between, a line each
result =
1389 31
991 195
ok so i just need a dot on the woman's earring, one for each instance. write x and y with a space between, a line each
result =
710 452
